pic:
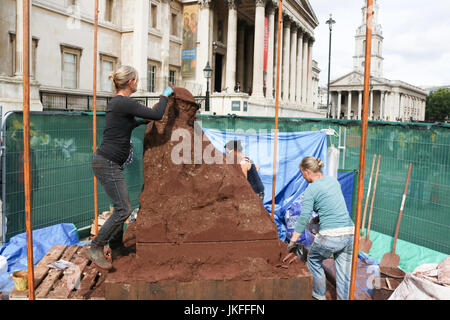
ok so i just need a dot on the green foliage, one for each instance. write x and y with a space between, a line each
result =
438 105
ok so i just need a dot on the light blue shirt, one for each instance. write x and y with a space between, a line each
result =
325 197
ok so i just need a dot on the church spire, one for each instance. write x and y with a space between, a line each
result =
376 68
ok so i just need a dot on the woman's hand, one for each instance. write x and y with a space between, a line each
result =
168 92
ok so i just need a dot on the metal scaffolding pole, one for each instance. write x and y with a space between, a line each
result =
26 145
277 102
94 124
362 156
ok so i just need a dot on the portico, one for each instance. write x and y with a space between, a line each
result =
242 46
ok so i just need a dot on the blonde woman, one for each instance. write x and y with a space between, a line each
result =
335 237
108 160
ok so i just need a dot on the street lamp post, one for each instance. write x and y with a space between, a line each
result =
207 73
330 23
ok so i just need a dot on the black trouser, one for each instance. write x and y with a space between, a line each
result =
111 178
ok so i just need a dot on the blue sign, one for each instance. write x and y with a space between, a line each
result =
188 54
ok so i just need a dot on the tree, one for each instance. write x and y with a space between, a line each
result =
438 105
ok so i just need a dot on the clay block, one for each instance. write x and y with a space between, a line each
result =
258 289
148 253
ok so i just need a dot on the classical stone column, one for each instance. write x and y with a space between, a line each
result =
359 104
270 61
258 50
249 36
310 75
383 106
276 57
299 65
339 105
304 68
230 74
349 105
240 55
293 64
371 105
286 59
165 43
140 43
203 40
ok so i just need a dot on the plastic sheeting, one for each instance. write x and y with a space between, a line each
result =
292 147
411 255
15 251
422 284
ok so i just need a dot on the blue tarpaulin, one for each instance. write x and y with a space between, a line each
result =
292 147
15 251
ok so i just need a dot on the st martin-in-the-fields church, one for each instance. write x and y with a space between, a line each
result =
390 100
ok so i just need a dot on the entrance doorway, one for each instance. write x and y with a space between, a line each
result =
218 73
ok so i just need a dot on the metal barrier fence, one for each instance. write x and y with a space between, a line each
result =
62 180
426 217
56 101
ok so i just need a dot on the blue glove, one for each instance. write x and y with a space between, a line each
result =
167 92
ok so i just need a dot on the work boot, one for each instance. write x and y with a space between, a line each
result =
96 256
119 252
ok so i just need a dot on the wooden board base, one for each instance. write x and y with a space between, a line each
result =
74 283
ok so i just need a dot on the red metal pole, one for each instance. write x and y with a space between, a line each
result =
26 145
94 124
277 102
362 155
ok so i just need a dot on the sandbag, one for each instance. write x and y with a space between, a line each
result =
424 284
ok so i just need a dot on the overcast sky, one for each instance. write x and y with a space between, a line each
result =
416 33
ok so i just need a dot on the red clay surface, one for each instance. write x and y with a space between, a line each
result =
197 221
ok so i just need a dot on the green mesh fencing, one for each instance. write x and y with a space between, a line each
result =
61 147
62 178
426 216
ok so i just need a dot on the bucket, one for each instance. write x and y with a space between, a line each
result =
383 287
20 280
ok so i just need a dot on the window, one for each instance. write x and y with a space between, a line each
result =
154 15
172 78
12 41
70 70
70 66
108 10
34 45
173 25
151 70
107 66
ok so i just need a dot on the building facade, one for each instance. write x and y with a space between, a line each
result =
389 100
166 41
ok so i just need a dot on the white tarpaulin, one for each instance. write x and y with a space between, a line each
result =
427 282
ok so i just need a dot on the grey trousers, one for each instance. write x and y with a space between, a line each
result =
110 176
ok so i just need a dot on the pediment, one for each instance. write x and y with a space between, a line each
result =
353 78
307 7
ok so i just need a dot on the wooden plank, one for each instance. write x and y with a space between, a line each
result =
71 278
86 284
53 274
98 292
41 269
